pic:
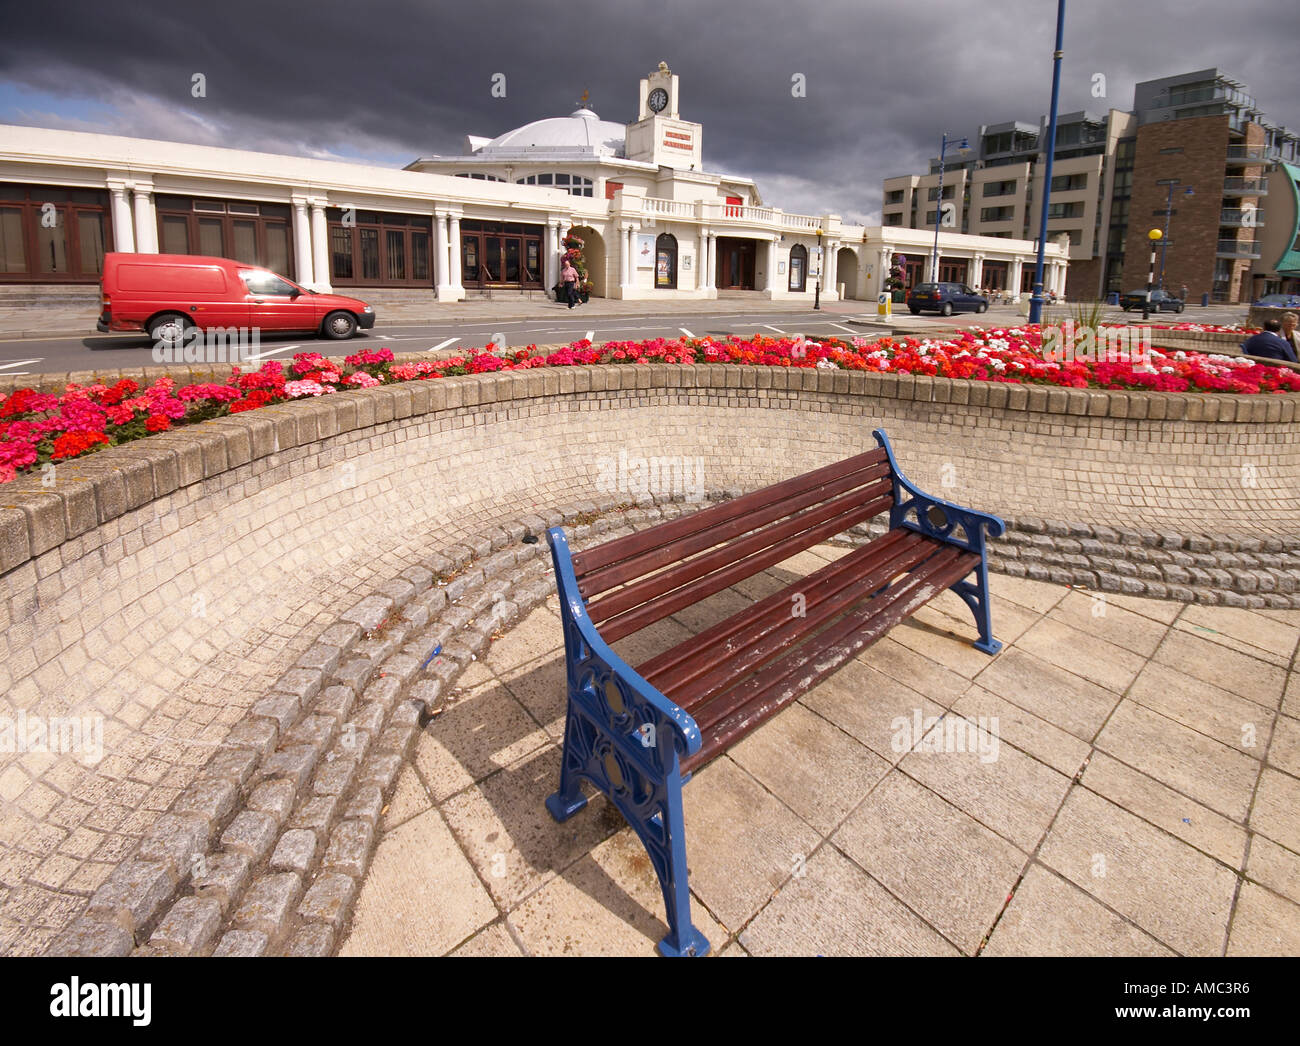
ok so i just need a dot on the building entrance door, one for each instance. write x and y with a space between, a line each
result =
735 263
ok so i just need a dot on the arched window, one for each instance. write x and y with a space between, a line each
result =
666 262
798 267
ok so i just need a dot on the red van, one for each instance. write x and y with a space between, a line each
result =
166 294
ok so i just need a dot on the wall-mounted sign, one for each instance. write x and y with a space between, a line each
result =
645 250
686 263
780 268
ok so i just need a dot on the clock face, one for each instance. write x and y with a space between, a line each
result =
657 100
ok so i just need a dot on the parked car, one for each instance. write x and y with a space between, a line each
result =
1279 301
945 299
1161 301
167 294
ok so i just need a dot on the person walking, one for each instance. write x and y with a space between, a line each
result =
1183 295
569 277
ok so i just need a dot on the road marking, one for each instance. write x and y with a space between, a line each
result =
20 363
589 335
444 344
843 328
686 332
771 328
272 352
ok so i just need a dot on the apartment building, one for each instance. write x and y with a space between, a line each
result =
1114 176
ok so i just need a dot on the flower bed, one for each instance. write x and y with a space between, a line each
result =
39 428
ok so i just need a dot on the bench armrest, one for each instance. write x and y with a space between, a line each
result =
958 525
625 715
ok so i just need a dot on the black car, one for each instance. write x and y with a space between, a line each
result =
1161 301
945 299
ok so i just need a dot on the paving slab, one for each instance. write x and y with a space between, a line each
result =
1175 893
1053 694
1049 916
835 908
953 872
1189 762
425 898
1264 924
1242 674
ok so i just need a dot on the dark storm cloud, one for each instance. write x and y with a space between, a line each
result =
396 80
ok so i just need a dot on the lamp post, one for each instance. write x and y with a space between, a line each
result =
1169 208
1036 302
1155 236
817 294
938 202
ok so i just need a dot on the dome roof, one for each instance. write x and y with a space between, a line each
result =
581 133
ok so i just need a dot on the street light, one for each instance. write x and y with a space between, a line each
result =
1036 301
1169 206
817 294
1155 236
961 144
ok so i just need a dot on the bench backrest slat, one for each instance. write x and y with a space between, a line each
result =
593 559
636 606
675 551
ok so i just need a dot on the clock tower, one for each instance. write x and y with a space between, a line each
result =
659 135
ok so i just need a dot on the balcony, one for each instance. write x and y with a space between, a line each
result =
1245 186
1237 249
1242 154
1241 217
669 208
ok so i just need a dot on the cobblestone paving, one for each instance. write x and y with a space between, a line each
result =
1144 797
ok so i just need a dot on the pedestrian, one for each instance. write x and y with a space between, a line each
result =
1184 294
1270 344
1289 333
569 277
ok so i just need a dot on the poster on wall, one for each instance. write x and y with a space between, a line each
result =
645 250
686 263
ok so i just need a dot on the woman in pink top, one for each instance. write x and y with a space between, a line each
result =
569 277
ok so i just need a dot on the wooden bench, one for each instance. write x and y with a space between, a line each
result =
637 734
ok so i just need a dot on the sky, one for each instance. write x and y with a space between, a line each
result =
386 81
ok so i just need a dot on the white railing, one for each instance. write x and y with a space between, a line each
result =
800 221
745 213
679 208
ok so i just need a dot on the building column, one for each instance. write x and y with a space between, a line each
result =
1013 283
977 271
629 256
551 245
711 262
886 256
123 232
146 222
440 274
320 259
831 258
302 243
453 251
772 284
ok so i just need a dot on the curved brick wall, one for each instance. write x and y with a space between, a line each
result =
167 584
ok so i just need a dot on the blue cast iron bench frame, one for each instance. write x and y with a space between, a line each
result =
636 734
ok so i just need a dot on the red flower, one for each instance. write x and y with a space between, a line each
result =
158 423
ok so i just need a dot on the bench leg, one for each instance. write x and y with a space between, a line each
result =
683 938
975 594
566 802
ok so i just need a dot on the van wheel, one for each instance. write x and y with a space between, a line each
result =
945 309
169 330
1179 309
915 310
982 308
339 325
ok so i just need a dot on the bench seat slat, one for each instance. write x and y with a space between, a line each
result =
646 589
613 551
756 699
758 552
675 551
759 638
656 668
